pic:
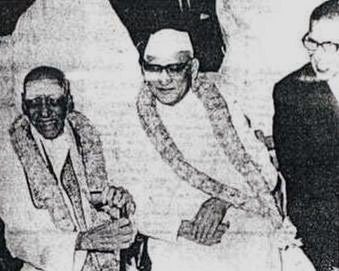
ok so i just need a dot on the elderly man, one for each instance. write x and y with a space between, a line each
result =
213 170
306 135
143 17
52 219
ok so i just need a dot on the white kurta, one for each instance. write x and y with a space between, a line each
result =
30 232
164 200
248 237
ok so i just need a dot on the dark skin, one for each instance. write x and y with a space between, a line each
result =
46 103
46 111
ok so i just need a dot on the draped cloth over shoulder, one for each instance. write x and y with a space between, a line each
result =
47 239
208 151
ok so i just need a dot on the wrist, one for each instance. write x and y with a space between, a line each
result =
82 242
222 204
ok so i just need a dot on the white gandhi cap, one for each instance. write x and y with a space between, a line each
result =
167 42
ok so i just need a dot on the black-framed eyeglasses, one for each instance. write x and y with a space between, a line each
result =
171 69
38 101
312 45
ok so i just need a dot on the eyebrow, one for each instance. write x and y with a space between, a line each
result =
53 95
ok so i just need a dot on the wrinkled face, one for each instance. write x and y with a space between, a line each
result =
325 58
170 77
45 105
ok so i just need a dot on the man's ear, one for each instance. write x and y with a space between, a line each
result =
70 103
195 68
142 71
23 104
66 86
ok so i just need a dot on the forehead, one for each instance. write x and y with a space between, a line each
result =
325 29
165 58
45 87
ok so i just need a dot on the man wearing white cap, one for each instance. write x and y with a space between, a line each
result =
143 17
216 168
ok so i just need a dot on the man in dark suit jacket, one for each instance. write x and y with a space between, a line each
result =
198 17
7 263
306 134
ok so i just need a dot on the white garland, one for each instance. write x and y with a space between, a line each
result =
260 201
43 187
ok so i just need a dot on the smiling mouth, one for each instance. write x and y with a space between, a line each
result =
47 124
165 90
322 70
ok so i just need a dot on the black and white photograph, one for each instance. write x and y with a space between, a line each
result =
169 135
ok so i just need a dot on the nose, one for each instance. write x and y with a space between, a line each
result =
320 53
45 111
164 78
321 57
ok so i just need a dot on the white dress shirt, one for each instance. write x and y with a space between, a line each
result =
334 86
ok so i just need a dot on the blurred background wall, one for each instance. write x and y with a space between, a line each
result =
87 40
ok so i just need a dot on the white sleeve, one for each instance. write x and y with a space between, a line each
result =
43 250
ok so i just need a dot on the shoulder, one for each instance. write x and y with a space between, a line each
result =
81 124
293 85
78 118
19 125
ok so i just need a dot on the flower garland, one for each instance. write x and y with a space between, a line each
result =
43 187
260 201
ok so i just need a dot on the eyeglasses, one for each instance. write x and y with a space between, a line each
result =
312 45
38 102
171 69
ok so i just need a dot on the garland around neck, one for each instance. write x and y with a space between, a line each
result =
43 187
259 201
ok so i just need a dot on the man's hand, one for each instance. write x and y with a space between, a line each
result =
110 236
186 229
208 218
118 198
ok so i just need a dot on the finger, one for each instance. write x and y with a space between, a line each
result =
185 228
123 222
113 212
128 238
110 196
198 222
121 201
117 198
104 195
224 226
205 225
201 214
126 230
218 235
209 221
130 208
213 227
124 245
195 230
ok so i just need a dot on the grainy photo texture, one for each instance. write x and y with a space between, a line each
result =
161 135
